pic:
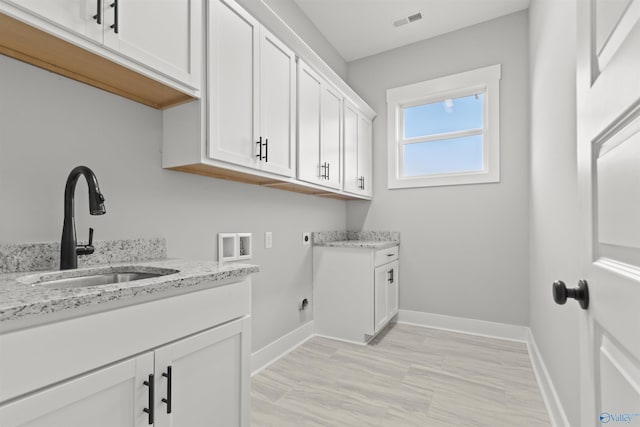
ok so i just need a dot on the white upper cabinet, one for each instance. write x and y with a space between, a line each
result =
164 36
319 129
358 147
159 34
251 92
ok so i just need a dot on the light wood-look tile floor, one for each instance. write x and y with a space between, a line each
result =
407 376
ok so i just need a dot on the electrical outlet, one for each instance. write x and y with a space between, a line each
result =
306 238
268 239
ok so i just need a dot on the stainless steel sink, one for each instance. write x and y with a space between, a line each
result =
106 278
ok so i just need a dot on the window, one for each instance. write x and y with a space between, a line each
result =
445 131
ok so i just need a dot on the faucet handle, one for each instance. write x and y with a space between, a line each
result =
88 248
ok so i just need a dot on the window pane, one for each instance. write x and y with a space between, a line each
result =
443 156
449 115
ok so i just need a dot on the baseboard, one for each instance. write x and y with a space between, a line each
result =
280 347
555 410
468 326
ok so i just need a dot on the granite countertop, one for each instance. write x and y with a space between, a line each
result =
21 296
374 244
357 239
24 266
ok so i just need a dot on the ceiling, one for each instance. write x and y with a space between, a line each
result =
359 28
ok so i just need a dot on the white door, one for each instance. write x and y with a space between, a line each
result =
277 105
309 123
233 40
84 17
204 379
365 155
331 145
113 396
160 34
392 292
380 297
609 175
351 146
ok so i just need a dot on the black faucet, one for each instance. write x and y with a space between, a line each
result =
69 249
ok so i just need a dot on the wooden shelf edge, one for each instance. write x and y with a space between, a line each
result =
247 178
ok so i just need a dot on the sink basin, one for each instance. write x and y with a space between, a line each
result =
106 278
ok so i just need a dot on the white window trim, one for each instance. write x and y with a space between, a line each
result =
486 80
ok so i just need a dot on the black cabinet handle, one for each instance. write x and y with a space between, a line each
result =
266 150
580 294
114 5
149 383
390 276
259 142
98 15
328 170
168 399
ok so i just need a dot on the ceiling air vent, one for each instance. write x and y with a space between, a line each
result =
408 20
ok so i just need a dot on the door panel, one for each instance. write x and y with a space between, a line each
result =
309 106
351 173
332 136
392 293
380 296
233 79
277 97
609 176
210 377
113 396
365 154
156 33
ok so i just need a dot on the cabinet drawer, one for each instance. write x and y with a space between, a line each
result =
384 256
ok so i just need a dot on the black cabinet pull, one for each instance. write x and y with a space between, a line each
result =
114 5
259 142
328 173
168 399
149 383
98 15
266 150
323 167
390 276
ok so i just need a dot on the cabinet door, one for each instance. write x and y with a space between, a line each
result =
163 35
365 155
380 296
392 292
210 384
309 124
351 128
233 80
113 396
71 15
331 145
277 104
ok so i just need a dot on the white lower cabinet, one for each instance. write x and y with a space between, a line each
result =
197 381
355 291
159 363
112 396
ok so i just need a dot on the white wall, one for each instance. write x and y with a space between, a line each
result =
464 249
553 194
49 124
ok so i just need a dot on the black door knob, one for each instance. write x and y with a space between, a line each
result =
580 294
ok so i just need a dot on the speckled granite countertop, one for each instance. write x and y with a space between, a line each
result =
23 297
357 239
20 297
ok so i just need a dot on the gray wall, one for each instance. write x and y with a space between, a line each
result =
464 249
553 202
295 18
49 124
